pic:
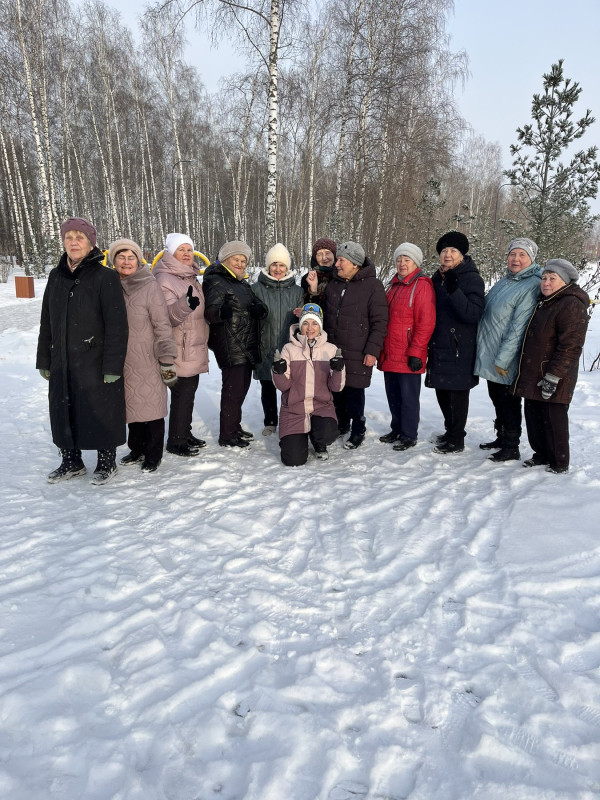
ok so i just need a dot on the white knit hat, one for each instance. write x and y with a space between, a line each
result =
410 251
278 252
175 240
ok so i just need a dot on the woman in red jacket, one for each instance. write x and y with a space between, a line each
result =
411 302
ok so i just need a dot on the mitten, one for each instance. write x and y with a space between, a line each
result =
451 281
337 362
502 372
45 373
192 300
258 310
168 374
226 310
415 364
111 378
279 364
548 385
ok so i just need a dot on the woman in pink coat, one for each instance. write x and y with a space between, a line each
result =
177 275
151 350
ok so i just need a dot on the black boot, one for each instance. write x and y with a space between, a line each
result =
71 467
106 468
506 454
498 441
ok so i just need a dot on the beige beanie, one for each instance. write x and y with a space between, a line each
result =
125 244
278 252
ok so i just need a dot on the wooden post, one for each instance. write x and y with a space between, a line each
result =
24 286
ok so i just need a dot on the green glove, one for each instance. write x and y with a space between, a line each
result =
111 378
45 373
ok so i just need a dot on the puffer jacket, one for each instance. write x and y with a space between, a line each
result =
508 307
355 316
411 302
552 343
307 383
83 336
150 342
189 327
234 341
451 352
281 298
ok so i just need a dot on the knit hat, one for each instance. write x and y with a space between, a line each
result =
352 251
234 248
79 224
311 311
523 243
124 244
278 252
175 240
411 251
454 239
563 268
323 244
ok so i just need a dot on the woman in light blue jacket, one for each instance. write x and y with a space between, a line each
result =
508 307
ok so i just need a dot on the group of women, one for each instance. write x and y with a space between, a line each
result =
112 341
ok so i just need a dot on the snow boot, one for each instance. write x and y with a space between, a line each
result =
106 468
505 454
71 467
498 442
390 437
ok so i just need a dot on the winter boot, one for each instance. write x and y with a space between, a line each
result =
131 458
106 468
498 441
405 444
193 441
321 452
438 438
71 467
390 437
505 454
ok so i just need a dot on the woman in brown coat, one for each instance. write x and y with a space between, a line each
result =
549 364
151 350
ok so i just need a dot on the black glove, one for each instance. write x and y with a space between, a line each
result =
258 310
548 385
226 310
451 281
192 301
279 364
415 364
337 362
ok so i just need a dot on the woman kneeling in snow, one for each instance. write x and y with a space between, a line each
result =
306 372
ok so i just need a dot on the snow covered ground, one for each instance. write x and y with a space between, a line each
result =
382 625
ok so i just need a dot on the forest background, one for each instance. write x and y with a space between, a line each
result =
344 123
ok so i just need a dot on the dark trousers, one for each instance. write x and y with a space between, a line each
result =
268 398
147 438
548 431
294 447
182 408
234 388
508 413
454 405
403 390
350 408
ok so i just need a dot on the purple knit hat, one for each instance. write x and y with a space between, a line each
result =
79 224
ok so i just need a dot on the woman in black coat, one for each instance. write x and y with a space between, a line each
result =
81 350
233 312
459 293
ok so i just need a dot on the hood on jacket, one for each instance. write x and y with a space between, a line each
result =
269 280
133 282
169 263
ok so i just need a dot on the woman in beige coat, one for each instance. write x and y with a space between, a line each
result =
151 350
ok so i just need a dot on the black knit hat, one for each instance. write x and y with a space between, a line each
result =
453 239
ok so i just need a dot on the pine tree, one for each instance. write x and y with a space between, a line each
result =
553 196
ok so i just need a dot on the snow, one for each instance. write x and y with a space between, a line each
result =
381 625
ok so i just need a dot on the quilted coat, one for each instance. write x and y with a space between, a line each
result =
281 298
508 307
552 343
83 336
355 316
307 383
150 342
411 302
190 329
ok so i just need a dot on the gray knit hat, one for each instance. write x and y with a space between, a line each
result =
234 248
411 251
125 244
352 251
563 268
523 243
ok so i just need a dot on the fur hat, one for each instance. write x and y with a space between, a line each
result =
311 311
411 251
563 269
523 243
278 252
79 224
324 244
352 251
235 248
124 244
175 240
454 239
